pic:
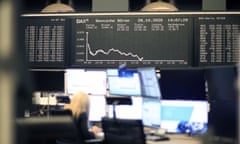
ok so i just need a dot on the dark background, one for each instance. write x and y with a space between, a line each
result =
134 5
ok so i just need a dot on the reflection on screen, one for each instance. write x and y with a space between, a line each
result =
151 112
184 116
150 85
126 83
133 111
88 81
97 108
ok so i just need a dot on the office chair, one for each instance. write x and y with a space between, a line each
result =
83 135
123 131
44 130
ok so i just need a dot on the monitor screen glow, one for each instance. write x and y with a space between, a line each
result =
184 116
89 81
97 108
124 84
150 84
151 112
133 111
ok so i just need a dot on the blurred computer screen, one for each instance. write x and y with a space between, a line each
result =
149 82
123 82
151 112
186 84
90 81
133 111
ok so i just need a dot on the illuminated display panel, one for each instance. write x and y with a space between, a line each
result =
125 83
151 112
101 40
149 82
184 116
92 82
97 108
133 111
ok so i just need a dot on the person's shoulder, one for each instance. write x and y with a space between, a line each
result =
83 115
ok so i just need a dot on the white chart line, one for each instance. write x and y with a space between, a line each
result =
88 49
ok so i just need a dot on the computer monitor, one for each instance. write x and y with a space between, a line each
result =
49 81
149 82
185 84
184 116
89 81
133 111
45 129
123 83
123 131
151 110
97 108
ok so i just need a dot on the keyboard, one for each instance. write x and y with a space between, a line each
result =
157 138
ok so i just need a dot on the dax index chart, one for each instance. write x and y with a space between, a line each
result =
134 40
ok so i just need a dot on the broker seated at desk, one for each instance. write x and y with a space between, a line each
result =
79 107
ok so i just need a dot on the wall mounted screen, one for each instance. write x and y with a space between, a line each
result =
45 40
217 39
134 39
139 39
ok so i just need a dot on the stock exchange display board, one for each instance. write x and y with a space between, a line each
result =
218 39
159 39
45 41
133 39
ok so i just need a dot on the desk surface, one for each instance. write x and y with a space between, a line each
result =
178 139
174 139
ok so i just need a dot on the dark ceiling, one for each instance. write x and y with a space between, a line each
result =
134 5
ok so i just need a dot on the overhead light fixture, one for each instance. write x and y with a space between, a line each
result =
58 7
159 6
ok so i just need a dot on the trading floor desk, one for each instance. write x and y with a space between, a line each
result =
132 132
174 139
42 128
178 139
